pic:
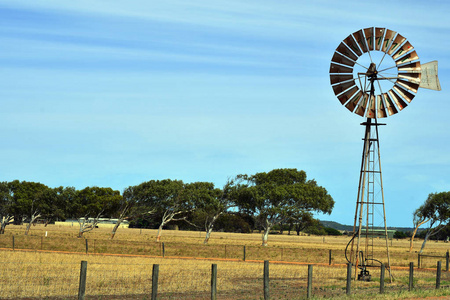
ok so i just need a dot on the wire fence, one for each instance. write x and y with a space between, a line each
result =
199 250
191 280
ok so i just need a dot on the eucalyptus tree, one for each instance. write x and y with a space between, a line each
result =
91 203
209 202
435 211
166 198
6 202
30 200
277 196
126 204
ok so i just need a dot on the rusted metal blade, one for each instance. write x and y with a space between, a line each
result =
343 49
412 77
397 100
381 109
407 58
339 88
344 97
396 43
379 33
361 107
359 37
368 32
413 67
388 38
341 59
338 69
390 106
351 43
402 50
353 102
371 110
340 78
403 93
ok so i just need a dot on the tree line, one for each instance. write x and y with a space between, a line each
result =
265 200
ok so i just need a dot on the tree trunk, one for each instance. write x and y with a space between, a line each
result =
113 233
158 237
414 234
208 234
32 220
427 235
265 236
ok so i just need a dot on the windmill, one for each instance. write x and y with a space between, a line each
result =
375 73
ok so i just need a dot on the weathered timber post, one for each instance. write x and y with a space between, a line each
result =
13 243
411 276
244 253
349 278
82 285
87 246
214 282
329 257
382 268
438 275
266 280
155 275
309 285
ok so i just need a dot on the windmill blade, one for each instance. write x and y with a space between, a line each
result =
344 97
429 78
387 41
342 48
397 100
339 88
353 102
381 111
399 39
391 109
379 33
361 107
341 59
413 67
368 32
411 86
351 43
359 37
371 111
335 68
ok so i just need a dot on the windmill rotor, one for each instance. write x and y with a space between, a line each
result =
381 60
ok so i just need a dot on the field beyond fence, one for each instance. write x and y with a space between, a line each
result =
36 273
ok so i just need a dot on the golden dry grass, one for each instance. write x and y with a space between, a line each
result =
36 273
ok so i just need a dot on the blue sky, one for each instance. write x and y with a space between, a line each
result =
114 93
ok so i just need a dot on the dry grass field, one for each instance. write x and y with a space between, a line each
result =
186 269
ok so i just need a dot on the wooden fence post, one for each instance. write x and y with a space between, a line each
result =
87 246
309 286
349 278
214 282
411 276
382 269
163 249
82 285
438 275
266 280
329 258
155 275
245 252
13 243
